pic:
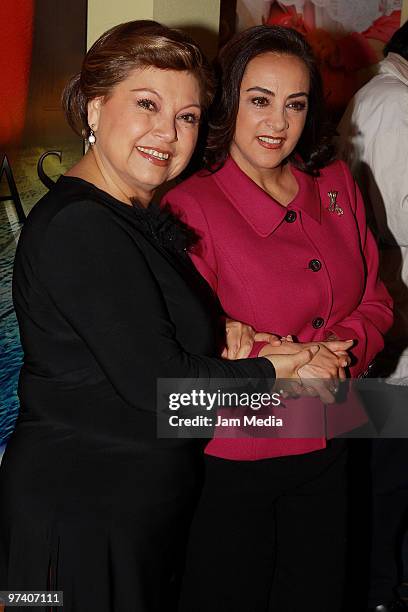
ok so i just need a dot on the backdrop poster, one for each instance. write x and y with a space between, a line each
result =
41 45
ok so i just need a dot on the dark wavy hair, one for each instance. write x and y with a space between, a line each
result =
398 42
127 46
315 146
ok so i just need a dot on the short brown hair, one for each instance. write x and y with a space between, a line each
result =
125 47
315 144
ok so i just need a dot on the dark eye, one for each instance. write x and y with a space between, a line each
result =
147 104
189 118
297 106
260 101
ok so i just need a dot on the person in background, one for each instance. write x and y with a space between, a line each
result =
285 247
373 139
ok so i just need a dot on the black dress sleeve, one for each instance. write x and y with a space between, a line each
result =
99 280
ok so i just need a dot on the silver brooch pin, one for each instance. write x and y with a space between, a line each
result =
333 206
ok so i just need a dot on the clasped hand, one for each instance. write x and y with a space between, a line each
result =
309 368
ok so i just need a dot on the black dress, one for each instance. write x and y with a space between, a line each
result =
92 501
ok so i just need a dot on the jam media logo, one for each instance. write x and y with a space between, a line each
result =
333 207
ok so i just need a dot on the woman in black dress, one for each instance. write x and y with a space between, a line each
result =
93 503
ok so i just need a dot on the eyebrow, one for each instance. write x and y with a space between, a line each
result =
270 93
147 89
153 91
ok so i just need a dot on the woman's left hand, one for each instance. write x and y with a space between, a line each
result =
329 363
240 338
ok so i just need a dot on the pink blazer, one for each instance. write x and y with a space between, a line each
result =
309 269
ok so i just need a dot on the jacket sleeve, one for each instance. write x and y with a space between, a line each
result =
203 254
101 283
368 323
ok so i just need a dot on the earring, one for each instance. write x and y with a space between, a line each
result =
91 137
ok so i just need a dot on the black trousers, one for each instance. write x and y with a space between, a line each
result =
386 501
390 517
269 535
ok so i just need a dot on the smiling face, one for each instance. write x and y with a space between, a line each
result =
146 130
272 112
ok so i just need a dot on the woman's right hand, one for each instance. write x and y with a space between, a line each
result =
287 366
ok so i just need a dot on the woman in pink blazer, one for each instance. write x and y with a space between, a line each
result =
285 246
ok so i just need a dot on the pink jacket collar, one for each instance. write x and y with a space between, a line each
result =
258 208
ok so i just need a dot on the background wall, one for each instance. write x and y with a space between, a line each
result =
200 20
404 15
103 14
